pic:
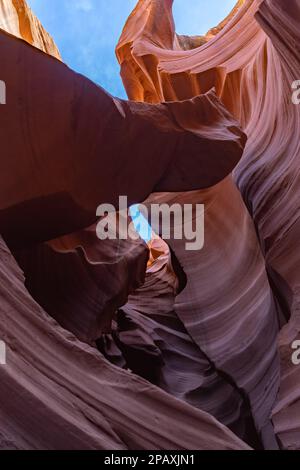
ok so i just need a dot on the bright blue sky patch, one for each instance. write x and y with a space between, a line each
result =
87 31
141 224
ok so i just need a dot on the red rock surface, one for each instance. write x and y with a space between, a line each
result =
252 63
59 393
77 139
112 356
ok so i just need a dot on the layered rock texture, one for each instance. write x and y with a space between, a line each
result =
114 344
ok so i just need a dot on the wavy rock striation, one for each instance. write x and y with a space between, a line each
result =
48 369
251 61
59 393
104 352
61 181
17 18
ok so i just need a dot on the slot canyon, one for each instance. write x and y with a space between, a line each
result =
129 344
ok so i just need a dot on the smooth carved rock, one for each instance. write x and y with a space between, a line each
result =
251 61
17 18
49 159
77 140
213 328
81 282
59 393
150 339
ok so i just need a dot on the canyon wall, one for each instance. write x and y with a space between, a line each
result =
252 62
106 349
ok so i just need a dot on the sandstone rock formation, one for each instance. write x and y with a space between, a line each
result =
69 173
104 352
17 18
251 62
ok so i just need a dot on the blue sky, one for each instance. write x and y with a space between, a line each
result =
86 31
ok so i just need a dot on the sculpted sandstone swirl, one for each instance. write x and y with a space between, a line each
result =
201 326
76 139
17 18
65 140
60 393
251 61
